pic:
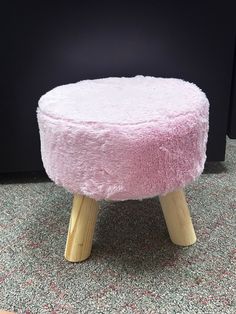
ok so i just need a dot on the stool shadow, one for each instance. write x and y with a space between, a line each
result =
129 234
133 233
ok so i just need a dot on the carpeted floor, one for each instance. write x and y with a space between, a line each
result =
134 268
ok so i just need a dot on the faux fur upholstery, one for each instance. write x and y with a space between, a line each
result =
124 138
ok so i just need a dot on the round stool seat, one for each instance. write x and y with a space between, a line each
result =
124 138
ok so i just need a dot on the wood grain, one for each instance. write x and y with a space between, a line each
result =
177 217
81 228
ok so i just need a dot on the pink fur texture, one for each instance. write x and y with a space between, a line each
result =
124 138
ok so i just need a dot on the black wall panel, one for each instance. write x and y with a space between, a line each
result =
47 43
232 110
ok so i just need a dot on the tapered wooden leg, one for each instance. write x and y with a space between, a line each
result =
81 228
177 217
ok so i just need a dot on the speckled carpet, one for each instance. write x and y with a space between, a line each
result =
134 268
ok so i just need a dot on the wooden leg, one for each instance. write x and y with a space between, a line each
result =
177 217
81 228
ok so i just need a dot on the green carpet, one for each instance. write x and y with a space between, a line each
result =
134 268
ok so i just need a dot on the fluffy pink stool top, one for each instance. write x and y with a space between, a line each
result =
124 138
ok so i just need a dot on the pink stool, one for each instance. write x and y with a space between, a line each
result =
124 138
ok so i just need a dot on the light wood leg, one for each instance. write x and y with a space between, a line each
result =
81 228
177 217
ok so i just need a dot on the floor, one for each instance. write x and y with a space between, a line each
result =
134 268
